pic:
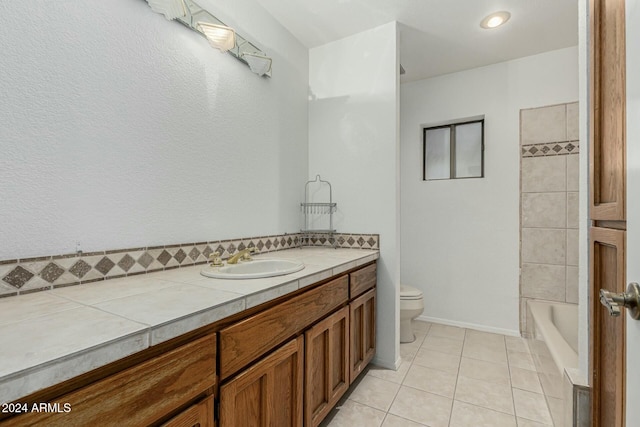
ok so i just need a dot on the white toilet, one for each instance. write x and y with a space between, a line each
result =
411 306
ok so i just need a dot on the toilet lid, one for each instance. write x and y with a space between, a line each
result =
408 292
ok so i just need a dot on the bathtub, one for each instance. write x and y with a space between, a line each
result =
556 325
552 332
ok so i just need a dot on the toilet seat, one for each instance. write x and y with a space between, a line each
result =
409 293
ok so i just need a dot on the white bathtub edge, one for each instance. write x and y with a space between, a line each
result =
561 352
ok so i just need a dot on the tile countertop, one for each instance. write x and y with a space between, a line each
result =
49 337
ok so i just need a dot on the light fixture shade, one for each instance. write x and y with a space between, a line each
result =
171 9
219 36
259 64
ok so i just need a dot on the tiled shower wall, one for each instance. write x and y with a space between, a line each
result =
548 205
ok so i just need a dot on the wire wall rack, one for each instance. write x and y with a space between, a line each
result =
318 216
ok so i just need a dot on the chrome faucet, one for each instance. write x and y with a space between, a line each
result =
242 255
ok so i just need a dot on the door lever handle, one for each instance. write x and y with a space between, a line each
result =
630 299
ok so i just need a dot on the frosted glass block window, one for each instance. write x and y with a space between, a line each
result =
454 151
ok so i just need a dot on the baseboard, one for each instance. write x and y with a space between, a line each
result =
483 328
387 364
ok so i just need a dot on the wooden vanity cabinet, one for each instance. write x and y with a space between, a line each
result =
285 365
198 415
326 365
140 395
269 393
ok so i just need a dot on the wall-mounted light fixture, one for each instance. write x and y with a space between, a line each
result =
219 35
259 64
171 9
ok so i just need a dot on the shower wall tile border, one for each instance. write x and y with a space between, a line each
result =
27 275
551 149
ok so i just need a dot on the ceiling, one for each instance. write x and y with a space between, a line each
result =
437 36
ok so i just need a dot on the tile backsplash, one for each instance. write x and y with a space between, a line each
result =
549 178
21 276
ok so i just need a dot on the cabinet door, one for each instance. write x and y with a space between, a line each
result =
362 328
198 415
269 393
326 366
607 153
607 332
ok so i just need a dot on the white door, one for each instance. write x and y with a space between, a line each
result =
633 205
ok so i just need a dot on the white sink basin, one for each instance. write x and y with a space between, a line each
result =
254 269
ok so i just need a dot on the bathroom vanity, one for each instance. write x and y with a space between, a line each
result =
284 362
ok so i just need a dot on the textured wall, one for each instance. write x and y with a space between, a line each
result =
460 237
353 143
120 129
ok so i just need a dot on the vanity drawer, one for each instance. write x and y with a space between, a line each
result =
362 280
139 395
245 341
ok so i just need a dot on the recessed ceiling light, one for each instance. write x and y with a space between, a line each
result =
495 20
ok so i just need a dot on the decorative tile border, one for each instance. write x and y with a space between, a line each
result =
342 240
22 276
551 149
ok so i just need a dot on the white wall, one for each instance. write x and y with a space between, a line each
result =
460 241
353 143
120 129
633 203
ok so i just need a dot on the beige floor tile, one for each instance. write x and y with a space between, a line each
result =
521 360
420 336
485 351
489 344
446 331
408 351
531 406
525 379
552 384
419 325
374 392
545 364
352 414
443 345
556 409
437 360
538 348
487 371
465 415
422 407
431 380
389 374
484 337
395 421
523 422
517 344
483 393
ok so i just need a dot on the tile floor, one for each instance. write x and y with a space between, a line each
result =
449 377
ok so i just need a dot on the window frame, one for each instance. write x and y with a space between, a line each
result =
452 149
